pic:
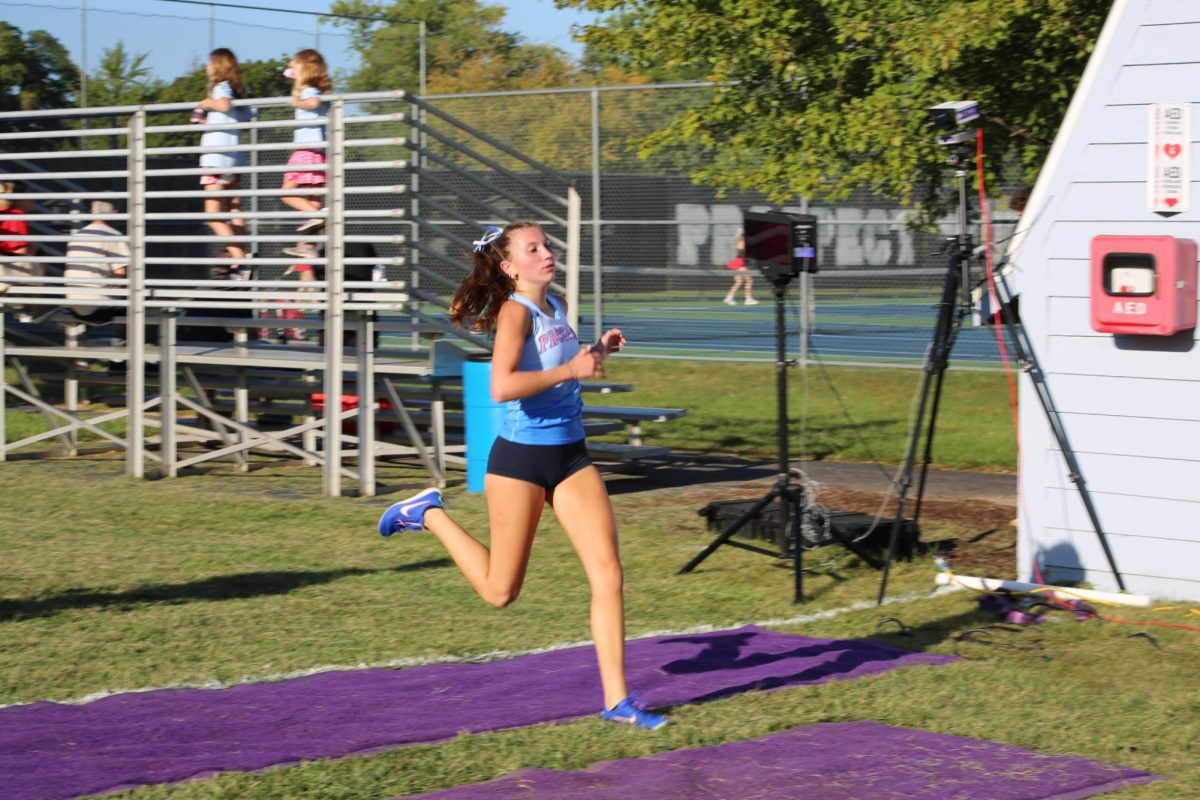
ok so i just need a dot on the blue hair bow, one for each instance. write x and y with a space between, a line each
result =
491 234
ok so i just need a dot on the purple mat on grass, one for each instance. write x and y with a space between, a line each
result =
830 761
50 751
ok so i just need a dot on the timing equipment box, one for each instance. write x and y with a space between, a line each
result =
780 244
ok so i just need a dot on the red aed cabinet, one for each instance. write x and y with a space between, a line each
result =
1143 284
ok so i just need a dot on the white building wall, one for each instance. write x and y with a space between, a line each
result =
1130 405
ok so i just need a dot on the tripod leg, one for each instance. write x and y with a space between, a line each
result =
1024 349
935 367
728 533
933 415
794 506
905 484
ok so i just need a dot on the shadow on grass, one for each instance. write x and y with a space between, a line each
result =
813 662
222 587
891 630
689 470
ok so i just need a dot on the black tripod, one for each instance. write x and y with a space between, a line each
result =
951 310
789 494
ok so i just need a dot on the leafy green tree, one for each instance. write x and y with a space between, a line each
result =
831 95
464 42
468 52
597 57
122 79
35 73
262 78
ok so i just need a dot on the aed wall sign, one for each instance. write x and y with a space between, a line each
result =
1143 284
1170 158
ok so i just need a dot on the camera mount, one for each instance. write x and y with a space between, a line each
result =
950 120
951 310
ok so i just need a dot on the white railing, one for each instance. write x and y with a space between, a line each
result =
386 214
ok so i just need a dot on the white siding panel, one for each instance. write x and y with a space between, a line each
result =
1149 517
1166 44
1159 12
1130 476
1110 161
1157 587
1114 202
1090 394
1120 125
1134 357
1070 316
1155 83
1133 435
1068 277
1073 238
1162 588
1124 124
1134 555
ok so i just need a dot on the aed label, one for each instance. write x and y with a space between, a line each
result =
1143 285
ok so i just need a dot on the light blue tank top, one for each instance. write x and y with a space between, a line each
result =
311 133
222 138
553 416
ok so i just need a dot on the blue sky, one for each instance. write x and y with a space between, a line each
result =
177 36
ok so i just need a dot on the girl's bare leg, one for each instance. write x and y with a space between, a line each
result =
514 509
737 281
215 205
224 228
238 226
582 506
300 202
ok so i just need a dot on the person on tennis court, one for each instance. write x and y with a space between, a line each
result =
540 455
741 275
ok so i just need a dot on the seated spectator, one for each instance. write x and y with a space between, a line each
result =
97 239
12 223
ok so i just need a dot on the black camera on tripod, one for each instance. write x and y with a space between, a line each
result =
950 120
780 245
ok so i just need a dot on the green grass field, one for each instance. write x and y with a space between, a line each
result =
843 413
111 584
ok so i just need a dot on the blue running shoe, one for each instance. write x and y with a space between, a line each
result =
409 515
632 712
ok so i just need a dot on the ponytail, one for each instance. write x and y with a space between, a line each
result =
478 299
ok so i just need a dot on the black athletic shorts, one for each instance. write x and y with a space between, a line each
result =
545 465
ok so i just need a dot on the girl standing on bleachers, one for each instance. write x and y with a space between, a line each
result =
540 455
224 86
310 80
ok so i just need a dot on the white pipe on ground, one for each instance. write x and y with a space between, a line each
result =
1067 593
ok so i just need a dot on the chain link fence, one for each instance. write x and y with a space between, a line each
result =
656 245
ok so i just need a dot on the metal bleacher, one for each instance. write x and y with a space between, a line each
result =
199 382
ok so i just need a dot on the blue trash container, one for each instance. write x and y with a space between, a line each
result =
484 417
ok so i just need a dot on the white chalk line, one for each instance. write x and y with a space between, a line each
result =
494 655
